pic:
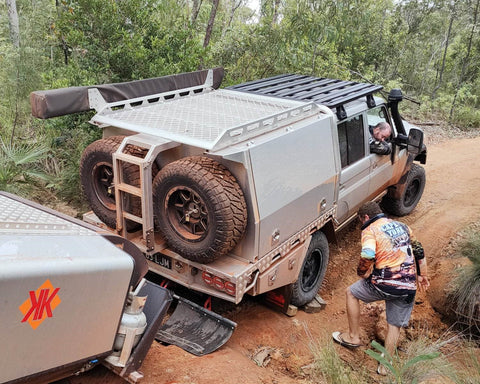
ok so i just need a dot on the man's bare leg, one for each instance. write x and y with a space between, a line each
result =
353 313
393 333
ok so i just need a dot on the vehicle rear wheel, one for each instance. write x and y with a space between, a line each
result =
415 185
200 208
96 175
313 271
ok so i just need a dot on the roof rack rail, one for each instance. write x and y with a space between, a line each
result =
331 93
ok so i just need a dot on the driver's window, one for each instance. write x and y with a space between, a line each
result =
377 115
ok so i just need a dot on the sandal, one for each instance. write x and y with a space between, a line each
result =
337 336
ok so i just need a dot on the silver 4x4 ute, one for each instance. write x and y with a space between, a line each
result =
238 191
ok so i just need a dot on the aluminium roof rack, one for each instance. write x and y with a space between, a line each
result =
331 93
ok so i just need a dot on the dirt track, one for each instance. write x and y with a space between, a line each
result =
449 204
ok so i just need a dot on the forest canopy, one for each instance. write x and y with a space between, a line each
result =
429 49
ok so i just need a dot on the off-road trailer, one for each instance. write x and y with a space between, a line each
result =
74 296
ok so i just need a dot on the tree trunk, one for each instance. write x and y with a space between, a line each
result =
447 40
13 22
211 20
195 10
276 7
466 60
236 4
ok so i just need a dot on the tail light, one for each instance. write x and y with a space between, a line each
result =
218 283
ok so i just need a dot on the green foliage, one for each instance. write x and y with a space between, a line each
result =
85 42
330 367
125 40
466 287
405 371
68 136
21 168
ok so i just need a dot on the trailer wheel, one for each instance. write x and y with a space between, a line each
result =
200 208
96 175
312 272
415 185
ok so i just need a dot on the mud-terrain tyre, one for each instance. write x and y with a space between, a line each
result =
313 271
415 185
200 208
96 175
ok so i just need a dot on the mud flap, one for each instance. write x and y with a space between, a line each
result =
195 329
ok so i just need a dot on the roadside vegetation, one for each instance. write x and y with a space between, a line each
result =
465 289
452 358
430 49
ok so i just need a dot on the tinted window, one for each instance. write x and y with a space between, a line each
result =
352 140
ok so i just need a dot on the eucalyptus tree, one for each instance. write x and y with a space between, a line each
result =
13 22
471 56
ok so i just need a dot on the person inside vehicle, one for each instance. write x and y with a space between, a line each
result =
378 136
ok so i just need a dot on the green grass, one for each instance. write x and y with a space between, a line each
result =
328 367
21 170
422 360
451 359
465 291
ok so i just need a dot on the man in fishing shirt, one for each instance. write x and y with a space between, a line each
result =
392 265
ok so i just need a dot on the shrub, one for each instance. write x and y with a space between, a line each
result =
466 286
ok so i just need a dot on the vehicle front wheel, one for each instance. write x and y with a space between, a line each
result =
414 187
312 272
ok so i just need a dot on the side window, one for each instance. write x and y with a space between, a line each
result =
377 115
351 140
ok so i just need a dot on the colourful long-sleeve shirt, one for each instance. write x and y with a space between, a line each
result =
386 244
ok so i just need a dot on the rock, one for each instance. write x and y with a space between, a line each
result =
307 370
262 356
315 306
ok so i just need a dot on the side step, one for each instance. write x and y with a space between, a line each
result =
195 329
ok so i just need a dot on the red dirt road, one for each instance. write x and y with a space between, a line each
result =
449 204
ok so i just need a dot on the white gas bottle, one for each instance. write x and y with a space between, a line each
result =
133 322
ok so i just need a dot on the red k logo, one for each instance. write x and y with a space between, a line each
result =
40 305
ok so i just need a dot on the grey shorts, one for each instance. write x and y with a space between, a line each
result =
398 308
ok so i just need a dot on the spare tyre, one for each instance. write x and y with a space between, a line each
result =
96 175
200 208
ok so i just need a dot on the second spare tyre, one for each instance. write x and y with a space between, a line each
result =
200 208
96 175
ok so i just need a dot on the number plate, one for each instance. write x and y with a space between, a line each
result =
162 260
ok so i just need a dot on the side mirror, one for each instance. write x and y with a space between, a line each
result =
401 140
415 141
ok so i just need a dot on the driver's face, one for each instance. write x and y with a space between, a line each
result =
381 135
